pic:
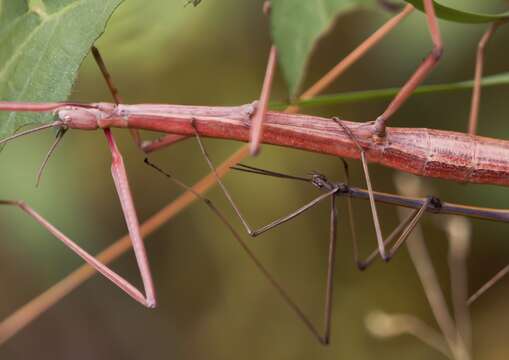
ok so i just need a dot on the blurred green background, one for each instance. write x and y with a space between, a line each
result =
212 302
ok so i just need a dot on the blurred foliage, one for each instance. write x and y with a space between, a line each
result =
350 97
460 15
42 51
297 25
212 304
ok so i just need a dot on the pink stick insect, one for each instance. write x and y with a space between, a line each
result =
120 179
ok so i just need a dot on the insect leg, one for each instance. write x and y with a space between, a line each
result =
404 229
479 65
119 174
236 209
327 312
91 260
376 221
420 74
323 339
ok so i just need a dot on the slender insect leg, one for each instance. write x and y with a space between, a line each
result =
351 220
479 65
404 229
246 225
263 104
323 339
472 129
113 90
327 312
376 221
91 260
419 75
119 174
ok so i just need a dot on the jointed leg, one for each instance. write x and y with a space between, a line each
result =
327 313
92 261
323 339
404 228
124 193
376 221
472 129
267 227
419 75
479 64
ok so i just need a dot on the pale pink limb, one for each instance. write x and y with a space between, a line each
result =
263 103
124 193
419 75
121 183
92 261
479 65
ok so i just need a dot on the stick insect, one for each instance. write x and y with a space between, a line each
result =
120 179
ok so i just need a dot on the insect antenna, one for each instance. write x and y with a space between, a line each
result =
30 131
58 138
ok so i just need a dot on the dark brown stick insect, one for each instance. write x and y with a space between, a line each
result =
362 142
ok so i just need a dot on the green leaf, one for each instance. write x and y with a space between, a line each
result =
389 93
297 25
460 16
42 45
